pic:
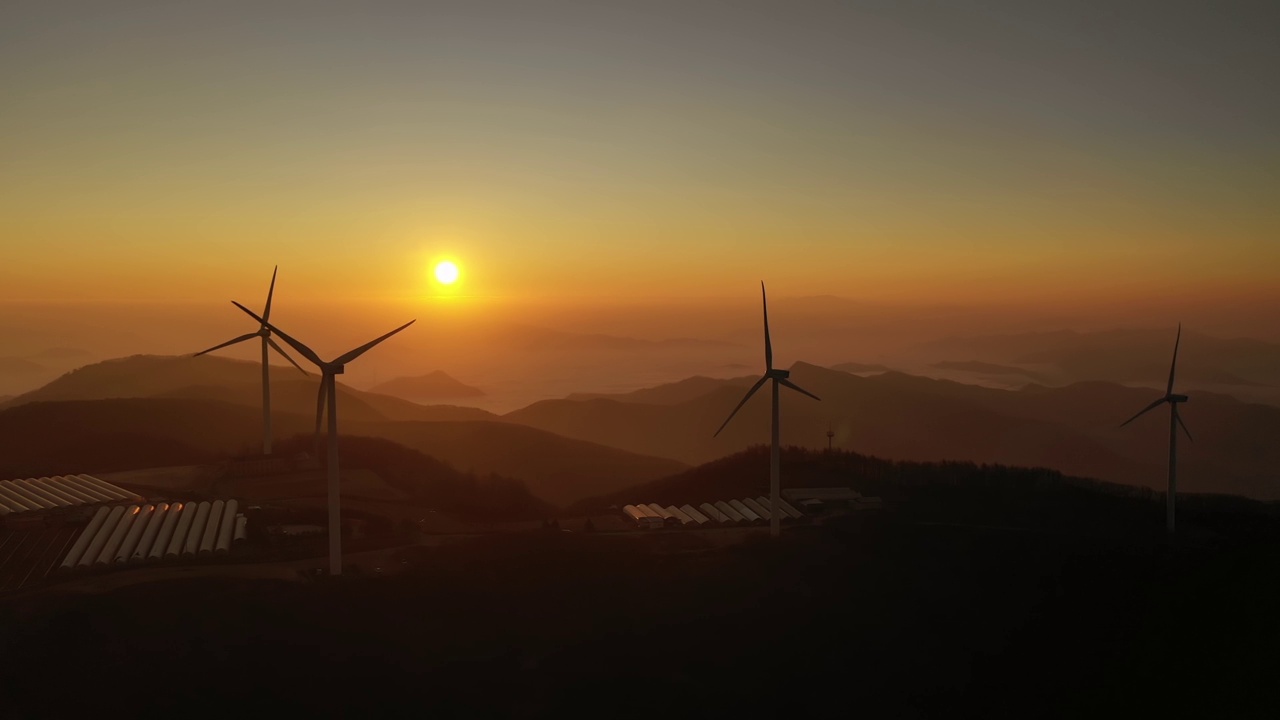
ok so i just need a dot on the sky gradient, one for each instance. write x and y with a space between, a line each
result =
995 152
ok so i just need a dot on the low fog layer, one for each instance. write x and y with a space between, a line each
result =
518 353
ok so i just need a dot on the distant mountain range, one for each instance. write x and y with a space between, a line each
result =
861 368
433 386
670 393
147 411
19 373
1073 429
238 381
105 436
584 446
978 367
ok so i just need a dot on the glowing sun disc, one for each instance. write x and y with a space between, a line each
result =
447 272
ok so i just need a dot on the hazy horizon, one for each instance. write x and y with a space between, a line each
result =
522 352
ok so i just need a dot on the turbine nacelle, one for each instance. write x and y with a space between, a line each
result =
328 387
778 377
1177 398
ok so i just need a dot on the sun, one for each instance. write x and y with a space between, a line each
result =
446 272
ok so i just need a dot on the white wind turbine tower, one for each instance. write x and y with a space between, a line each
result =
263 332
779 377
1174 421
328 386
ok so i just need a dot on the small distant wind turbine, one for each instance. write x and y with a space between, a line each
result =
264 332
779 377
329 386
1174 422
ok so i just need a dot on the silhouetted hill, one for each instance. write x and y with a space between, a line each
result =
746 474
671 393
89 436
436 385
1073 429
299 397
209 377
20 373
20 366
857 368
103 436
45 438
484 496
555 468
984 368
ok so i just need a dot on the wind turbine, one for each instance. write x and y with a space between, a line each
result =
779 377
328 386
1174 422
263 332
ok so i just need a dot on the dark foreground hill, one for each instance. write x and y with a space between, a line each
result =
746 473
892 619
40 439
558 469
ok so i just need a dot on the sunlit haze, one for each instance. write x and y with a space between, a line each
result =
916 152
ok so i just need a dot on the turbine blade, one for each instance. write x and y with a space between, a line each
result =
305 351
1184 425
797 388
240 339
1173 366
343 360
280 350
768 345
1145 410
266 313
745 398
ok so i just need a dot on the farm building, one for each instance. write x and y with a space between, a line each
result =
721 513
40 519
37 499
148 533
